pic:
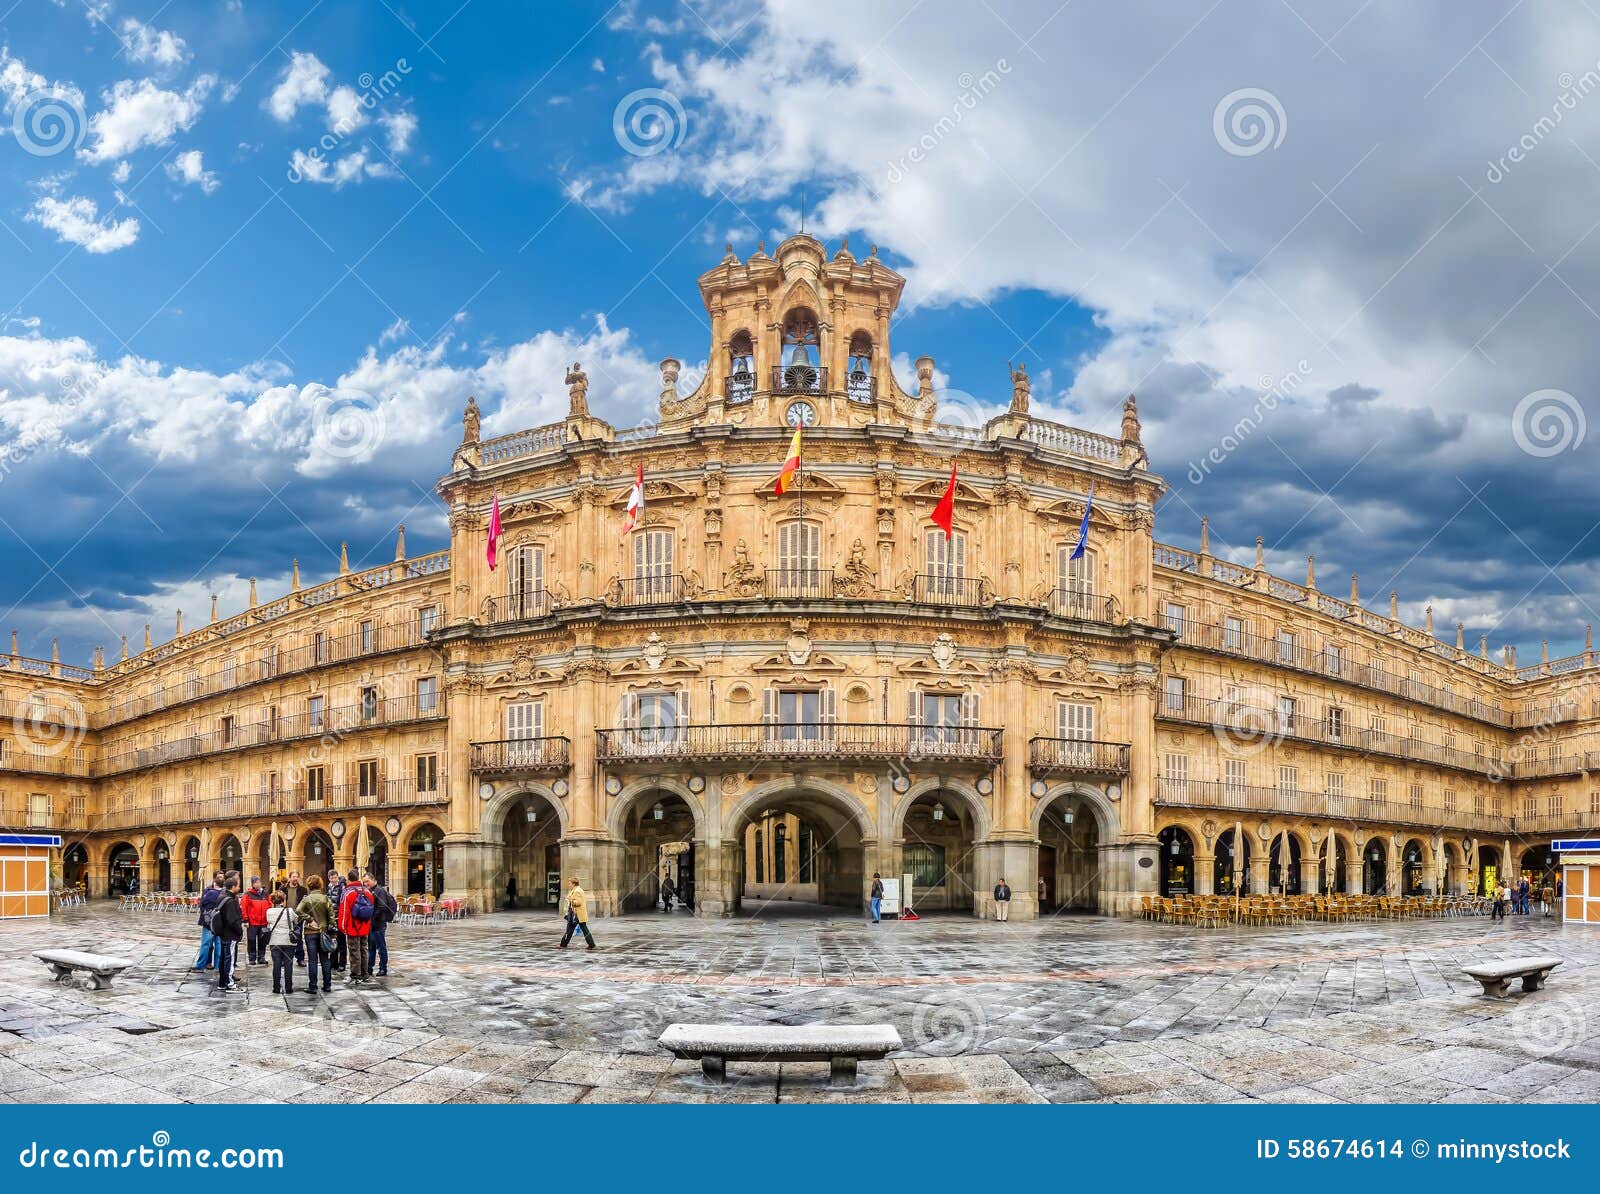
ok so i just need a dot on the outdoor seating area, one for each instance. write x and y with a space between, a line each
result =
1214 911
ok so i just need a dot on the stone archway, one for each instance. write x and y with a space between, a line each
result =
529 832
1415 879
1177 861
938 831
839 854
424 859
1069 830
122 869
1375 866
661 845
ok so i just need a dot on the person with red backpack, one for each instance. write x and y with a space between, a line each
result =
255 904
355 922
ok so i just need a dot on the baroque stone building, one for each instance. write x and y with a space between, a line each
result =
770 697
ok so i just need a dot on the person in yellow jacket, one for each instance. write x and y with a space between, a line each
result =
576 907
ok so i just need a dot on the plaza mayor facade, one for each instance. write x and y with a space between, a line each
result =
772 696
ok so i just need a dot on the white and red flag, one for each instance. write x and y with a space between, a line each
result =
635 503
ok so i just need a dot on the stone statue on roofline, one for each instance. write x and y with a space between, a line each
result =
578 390
1021 387
471 420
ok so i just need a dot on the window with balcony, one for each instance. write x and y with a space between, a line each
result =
1335 723
427 773
1449 800
947 719
315 708
1075 721
794 715
321 647
1416 798
1173 617
1286 709
1174 691
1288 781
1379 789
427 619
225 731
1334 785
191 685
655 719
944 567
1074 591
1478 804
1553 805
230 672
1233 778
369 637
367 780
225 786
269 663
859 382
1530 807
524 581
800 560
38 808
369 704
653 566
1286 645
427 695
1175 775
316 784
1594 804
741 368
1333 659
272 784
1233 634
524 733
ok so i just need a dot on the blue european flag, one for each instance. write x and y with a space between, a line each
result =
1083 527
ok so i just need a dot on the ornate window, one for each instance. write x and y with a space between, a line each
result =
860 385
654 720
947 722
1074 591
799 715
944 569
525 593
800 571
652 566
524 732
741 368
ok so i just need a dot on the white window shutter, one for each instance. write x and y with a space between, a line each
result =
683 714
829 708
769 707
969 710
630 711
914 707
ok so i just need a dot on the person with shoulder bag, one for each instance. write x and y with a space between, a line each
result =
228 925
209 899
317 914
356 911
576 907
281 937
384 911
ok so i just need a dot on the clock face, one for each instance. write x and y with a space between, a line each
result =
800 414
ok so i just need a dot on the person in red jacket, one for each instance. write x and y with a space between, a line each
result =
356 927
255 904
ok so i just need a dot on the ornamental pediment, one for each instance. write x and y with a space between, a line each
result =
806 485
772 665
531 510
933 490
933 669
654 492
1071 510
642 667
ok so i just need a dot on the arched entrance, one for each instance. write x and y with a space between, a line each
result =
163 866
658 828
1280 879
1176 861
530 838
822 864
316 854
231 856
1375 867
1538 866
189 853
377 863
425 861
1069 836
75 866
122 870
1227 870
937 836
1412 877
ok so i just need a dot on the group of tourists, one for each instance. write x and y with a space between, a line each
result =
1519 896
341 925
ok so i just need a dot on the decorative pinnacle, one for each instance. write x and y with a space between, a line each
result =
1261 554
1205 536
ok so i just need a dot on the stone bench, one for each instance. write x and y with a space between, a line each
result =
1495 976
840 1045
64 962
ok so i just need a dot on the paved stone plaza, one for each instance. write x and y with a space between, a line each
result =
1062 1010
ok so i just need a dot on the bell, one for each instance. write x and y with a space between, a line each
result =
802 355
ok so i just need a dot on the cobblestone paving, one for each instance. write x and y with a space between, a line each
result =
1064 1010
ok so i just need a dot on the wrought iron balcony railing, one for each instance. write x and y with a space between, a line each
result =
799 379
1086 607
799 584
814 741
648 590
1077 756
279 802
514 756
518 607
971 592
1227 796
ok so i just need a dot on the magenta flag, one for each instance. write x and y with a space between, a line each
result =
494 533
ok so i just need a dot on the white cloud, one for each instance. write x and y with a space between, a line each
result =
598 66
141 114
304 81
144 43
18 83
121 172
188 168
397 330
346 113
336 172
401 127
77 221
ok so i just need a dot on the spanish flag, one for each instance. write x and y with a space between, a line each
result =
790 466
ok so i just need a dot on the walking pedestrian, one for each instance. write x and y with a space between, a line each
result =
281 937
1525 891
317 914
877 898
1499 910
667 893
1002 900
576 907
209 899
228 925
355 922
384 911
255 904
341 947
511 891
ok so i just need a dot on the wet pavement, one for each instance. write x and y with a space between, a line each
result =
1070 1009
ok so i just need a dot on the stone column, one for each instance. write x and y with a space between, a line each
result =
1310 875
1260 871
1205 874
471 867
1015 861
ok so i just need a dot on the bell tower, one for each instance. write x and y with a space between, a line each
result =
800 337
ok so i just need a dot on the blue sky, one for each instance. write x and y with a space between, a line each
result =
252 271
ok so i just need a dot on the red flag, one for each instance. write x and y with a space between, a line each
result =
635 502
944 514
494 533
